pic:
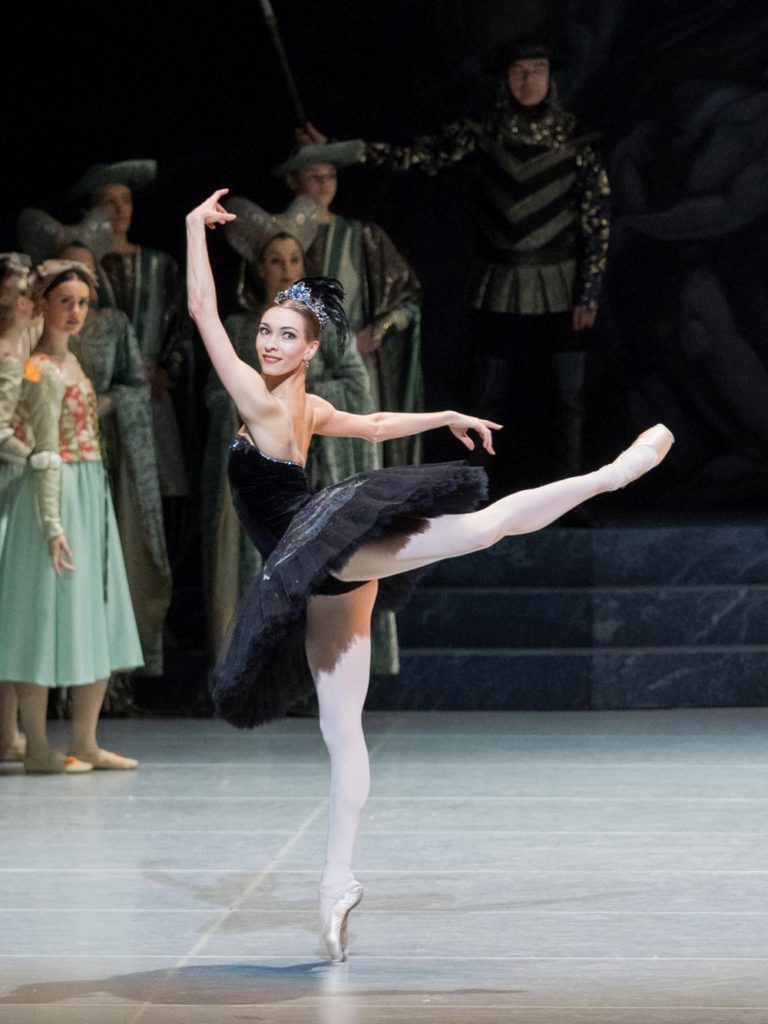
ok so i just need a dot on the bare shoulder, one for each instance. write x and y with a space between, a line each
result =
321 410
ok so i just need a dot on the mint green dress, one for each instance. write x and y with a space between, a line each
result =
77 627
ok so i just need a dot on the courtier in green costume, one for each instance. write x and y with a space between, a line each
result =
108 351
272 250
145 284
65 610
16 313
535 280
382 292
109 354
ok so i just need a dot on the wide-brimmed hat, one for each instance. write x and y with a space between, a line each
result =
134 174
338 154
512 50
43 237
255 226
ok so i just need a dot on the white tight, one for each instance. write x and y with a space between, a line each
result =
339 629
339 654
449 536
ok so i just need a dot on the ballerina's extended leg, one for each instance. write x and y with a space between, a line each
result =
522 512
338 643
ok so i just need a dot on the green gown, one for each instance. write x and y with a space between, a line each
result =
77 627
380 290
108 352
146 286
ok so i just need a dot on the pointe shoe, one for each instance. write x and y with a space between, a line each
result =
645 453
53 763
108 760
334 920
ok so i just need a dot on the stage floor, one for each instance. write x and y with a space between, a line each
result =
569 867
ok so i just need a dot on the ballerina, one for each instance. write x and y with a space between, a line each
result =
305 619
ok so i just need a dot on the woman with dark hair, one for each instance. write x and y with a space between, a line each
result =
62 626
108 351
306 617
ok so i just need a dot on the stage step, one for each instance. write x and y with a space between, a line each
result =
642 616
632 617
615 556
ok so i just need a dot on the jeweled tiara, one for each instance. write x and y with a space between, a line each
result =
300 293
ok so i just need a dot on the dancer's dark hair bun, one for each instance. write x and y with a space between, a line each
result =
330 292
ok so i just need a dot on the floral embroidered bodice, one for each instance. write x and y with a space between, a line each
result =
70 406
79 424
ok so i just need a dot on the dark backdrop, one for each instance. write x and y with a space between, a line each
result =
675 87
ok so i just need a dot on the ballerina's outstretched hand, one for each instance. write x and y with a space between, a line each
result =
211 212
460 426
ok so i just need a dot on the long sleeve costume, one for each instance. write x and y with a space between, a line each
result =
146 286
108 351
381 290
76 627
542 205
542 229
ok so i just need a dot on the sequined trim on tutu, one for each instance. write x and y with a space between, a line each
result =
241 441
310 522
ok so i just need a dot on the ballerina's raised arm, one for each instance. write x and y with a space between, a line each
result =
256 400
244 384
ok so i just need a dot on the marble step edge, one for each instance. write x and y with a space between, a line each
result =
593 651
502 571
596 678
655 556
524 589
605 616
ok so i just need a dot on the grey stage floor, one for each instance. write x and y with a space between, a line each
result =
519 867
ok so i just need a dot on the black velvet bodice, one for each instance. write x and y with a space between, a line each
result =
305 539
267 493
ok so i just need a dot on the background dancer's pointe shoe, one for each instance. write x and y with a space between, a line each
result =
644 454
334 919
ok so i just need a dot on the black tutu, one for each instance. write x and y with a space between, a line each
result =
303 538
